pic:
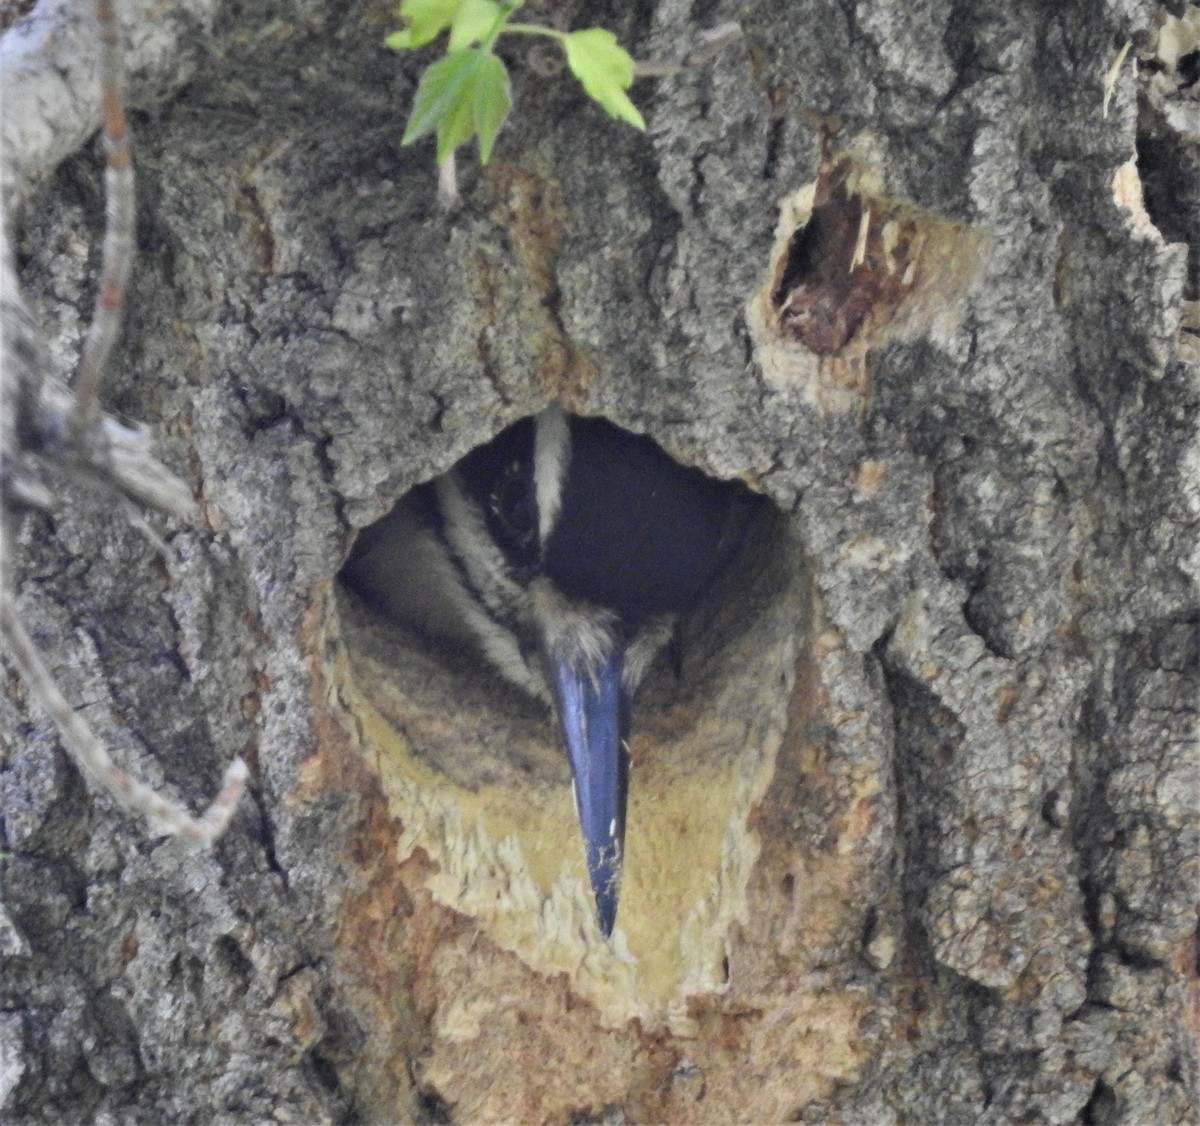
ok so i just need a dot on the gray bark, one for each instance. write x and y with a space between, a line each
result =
961 878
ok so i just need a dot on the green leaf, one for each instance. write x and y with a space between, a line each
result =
427 19
400 40
465 94
474 20
605 69
493 100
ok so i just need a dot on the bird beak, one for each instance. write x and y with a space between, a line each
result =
593 712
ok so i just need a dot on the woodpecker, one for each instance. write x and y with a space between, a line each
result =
565 552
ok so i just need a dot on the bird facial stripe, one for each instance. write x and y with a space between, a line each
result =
489 597
500 646
551 451
480 561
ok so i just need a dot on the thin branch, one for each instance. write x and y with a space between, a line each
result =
91 757
117 256
42 425
48 74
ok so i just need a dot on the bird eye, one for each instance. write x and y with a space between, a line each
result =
513 509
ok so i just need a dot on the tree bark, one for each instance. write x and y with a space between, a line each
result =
918 826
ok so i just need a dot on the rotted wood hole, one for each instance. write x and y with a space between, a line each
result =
852 269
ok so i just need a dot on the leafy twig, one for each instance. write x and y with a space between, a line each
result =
468 94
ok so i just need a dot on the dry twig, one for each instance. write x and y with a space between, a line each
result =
89 753
42 425
116 261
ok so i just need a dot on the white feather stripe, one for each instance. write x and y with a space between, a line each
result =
469 541
551 453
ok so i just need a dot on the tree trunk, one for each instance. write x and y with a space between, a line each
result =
915 836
